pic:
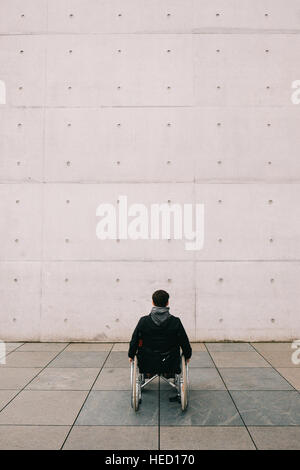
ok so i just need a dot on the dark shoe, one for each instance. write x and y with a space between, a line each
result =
176 398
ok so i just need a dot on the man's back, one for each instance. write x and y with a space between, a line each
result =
161 338
158 337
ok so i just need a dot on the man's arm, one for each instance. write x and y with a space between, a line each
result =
133 345
184 342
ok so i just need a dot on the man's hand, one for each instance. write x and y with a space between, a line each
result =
187 361
130 359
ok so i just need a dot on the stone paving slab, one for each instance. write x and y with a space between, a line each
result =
116 378
251 378
279 358
64 378
205 438
272 408
117 359
28 359
32 437
105 408
89 347
240 359
198 347
13 379
276 438
6 396
206 408
12 346
229 347
292 375
205 378
45 388
112 438
272 347
119 379
121 347
34 407
35 347
201 359
86 359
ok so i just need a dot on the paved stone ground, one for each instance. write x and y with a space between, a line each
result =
77 396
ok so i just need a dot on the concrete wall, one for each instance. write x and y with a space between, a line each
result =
159 100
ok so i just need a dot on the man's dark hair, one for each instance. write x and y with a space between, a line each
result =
160 298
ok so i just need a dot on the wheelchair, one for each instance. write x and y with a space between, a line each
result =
180 382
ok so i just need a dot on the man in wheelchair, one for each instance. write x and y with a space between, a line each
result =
156 342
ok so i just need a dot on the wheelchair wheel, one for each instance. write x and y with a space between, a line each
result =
184 384
135 385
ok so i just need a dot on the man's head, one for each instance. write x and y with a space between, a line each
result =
160 298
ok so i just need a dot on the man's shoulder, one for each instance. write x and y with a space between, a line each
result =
174 322
176 319
144 316
142 319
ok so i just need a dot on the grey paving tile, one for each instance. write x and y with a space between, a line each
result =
89 359
118 359
108 408
229 347
112 438
201 359
117 378
89 347
292 375
279 358
252 378
12 346
272 408
205 378
32 437
276 438
6 396
13 378
28 359
43 408
160 383
121 347
272 347
198 347
206 408
35 347
238 359
64 378
205 438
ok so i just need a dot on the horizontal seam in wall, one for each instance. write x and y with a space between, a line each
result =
192 32
169 260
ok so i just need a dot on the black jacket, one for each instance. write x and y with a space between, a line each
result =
169 335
